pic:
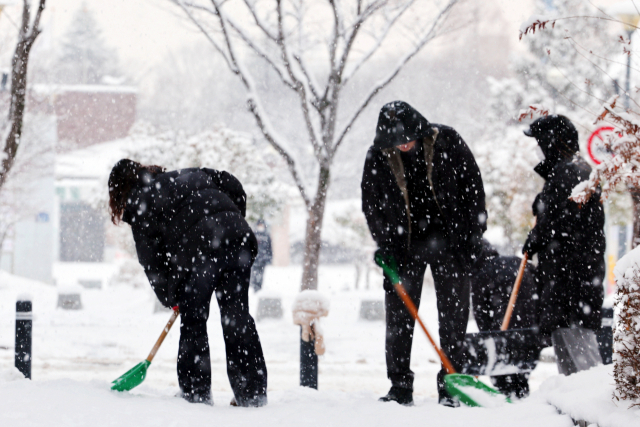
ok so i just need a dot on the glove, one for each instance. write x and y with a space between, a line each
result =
386 254
531 246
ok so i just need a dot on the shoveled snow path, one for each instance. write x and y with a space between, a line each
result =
66 402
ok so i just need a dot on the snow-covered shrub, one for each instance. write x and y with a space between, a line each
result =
255 165
626 336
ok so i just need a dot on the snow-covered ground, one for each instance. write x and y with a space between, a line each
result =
77 353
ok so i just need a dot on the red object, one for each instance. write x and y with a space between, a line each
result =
597 133
175 308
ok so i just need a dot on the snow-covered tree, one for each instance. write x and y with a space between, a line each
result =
11 125
622 169
316 50
255 165
626 335
554 76
84 57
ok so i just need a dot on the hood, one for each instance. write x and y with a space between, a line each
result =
556 136
399 123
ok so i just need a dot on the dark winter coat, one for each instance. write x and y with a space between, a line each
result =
179 215
570 243
455 182
492 280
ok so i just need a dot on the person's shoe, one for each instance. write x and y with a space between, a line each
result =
445 399
403 396
196 398
449 402
255 401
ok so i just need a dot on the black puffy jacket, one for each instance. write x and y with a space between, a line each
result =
570 243
178 215
571 231
457 185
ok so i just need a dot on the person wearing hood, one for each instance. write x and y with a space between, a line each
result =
193 241
568 239
492 281
423 198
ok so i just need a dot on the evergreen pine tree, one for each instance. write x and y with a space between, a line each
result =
85 59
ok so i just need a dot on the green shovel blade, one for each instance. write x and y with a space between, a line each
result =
472 392
132 378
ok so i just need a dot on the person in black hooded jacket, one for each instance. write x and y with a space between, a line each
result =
423 198
569 239
192 240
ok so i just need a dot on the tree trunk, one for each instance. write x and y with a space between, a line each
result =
635 197
312 241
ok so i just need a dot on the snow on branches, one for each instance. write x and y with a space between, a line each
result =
624 145
220 148
535 110
535 22
626 339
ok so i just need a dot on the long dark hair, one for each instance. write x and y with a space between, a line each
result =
123 177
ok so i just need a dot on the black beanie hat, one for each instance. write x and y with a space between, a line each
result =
399 123
555 131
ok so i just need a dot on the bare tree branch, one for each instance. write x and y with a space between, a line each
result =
301 88
19 67
253 102
258 21
215 44
392 75
380 39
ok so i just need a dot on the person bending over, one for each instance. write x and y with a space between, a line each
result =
193 241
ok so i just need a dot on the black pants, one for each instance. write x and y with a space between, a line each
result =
571 290
452 293
245 362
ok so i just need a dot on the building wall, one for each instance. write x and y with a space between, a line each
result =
93 114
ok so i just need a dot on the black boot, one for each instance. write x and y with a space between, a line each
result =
403 396
444 398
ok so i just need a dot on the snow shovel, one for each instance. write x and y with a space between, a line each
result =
506 351
134 376
464 388
576 349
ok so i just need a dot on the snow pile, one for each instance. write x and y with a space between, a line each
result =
483 398
66 402
626 337
587 396
308 307
10 374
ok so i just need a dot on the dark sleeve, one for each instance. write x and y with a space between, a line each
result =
231 186
472 197
152 255
374 203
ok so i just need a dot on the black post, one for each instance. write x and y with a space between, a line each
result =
605 336
23 337
308 364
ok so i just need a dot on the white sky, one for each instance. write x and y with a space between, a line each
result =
144 31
